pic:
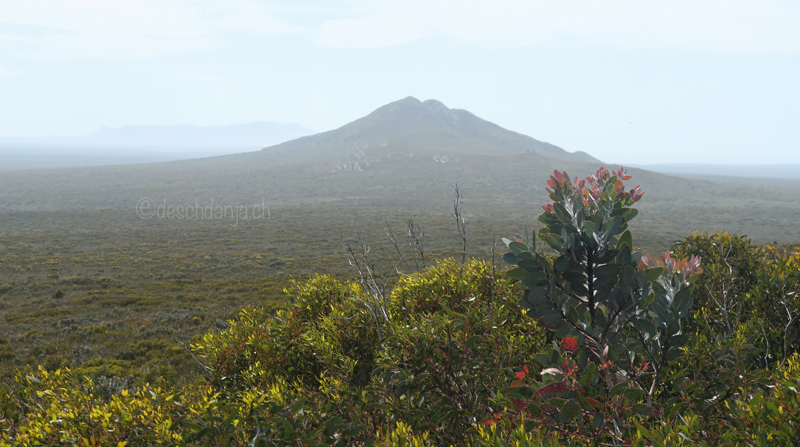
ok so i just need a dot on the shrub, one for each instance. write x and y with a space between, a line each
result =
618 312
440 366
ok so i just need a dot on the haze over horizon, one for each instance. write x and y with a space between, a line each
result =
627 82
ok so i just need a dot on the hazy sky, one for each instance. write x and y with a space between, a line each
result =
629 81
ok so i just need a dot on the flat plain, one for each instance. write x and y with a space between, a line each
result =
86 281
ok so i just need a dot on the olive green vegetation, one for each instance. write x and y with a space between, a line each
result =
107 291
75 255
449 358
317 374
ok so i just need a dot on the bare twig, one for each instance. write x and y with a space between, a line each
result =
766 339
491 284
415 239
204 370
461 223
390 235
373 284
786 328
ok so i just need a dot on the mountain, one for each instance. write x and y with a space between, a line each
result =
770 172
243 136
350 179
142 144
409 126
254 135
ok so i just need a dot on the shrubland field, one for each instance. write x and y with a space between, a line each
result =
124 330
85 278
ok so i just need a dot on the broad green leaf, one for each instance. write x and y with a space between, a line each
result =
510 258
563 329
644 326
552 316
531 265
654 273
643 410
543 359
534 410
626 239
561 263
536 295
297 406
554 241
517 274
569 411
678 340
598 420
589 228
618 388
633 393
682 302
517 247
607 270
535 279
628 276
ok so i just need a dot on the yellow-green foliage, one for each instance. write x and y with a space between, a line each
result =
483 435
746 289
450 284
55 409
402 436
322 334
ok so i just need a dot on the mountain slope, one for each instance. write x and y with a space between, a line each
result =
409 125
250 136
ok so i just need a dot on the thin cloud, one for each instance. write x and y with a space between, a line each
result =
139 28
751 26
14 38
4 72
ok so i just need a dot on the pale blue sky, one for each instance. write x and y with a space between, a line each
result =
628 81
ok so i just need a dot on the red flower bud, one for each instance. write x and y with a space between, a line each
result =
570 344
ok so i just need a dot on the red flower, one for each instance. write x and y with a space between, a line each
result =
570 344
520 375
636 193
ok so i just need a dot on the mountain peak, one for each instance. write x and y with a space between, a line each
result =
417 127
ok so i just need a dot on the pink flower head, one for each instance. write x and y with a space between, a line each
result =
619 187
636 193
648 261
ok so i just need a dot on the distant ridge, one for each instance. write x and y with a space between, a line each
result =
411 125
251 136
